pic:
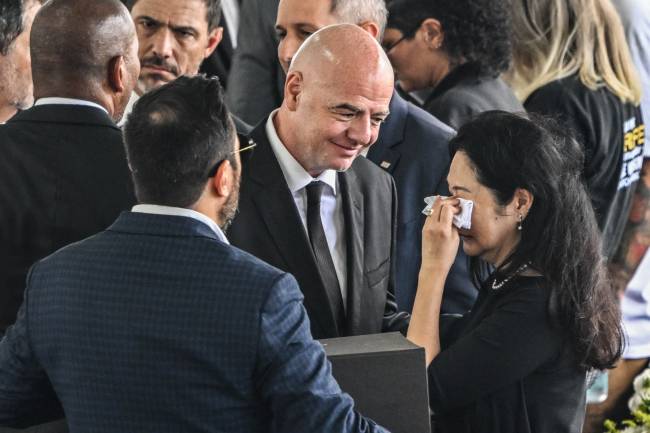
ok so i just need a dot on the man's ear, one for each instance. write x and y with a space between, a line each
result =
117 74
432 33
292 89
222 182
371 27
214 39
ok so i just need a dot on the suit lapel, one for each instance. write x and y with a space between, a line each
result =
353 214
277 209
388 160
384 152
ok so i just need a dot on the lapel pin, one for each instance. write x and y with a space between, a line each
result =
384 165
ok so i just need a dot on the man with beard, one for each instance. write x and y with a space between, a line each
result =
157 324
16 17
175 37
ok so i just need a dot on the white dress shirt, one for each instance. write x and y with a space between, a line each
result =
180 211
68 101
331 204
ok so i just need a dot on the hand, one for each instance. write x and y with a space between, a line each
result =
440 238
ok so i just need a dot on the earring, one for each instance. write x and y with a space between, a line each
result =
520 220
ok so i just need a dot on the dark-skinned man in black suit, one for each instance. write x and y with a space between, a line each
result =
63 171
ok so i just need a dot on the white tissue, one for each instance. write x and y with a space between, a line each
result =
463 220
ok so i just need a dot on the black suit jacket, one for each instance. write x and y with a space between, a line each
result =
268 226
256 79
63 177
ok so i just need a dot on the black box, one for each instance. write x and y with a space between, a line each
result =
386 375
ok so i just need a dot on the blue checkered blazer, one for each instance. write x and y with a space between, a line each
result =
156 326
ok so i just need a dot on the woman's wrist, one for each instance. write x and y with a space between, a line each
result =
433 271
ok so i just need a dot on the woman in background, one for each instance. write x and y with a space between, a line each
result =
546 314
571 60
457 48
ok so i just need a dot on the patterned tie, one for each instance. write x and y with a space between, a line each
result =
322 253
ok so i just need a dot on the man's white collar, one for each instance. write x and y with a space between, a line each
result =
68 101
296 176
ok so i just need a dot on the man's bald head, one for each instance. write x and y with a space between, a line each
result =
74 43
334 53
337 94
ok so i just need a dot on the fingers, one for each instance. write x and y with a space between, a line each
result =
440 220
440 238
451 203
447 212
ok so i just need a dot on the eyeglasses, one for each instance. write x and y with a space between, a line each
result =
213 170
388 48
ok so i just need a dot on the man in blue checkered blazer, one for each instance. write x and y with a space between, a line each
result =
157 324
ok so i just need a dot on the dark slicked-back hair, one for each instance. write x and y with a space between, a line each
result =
560 236
11 22
213 8
174 137
478 31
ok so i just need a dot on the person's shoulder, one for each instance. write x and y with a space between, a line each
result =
245 270
425 143
532 291
557 92
426 125
247 262
216 257
6 135
570 96
13 127
68 256
456 106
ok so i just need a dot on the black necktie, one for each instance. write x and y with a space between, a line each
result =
322 253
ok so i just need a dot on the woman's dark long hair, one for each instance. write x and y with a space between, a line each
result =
560 236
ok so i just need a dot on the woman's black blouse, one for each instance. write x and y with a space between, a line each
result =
511 370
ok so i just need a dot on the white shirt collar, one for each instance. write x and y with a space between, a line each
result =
179 211
68 101
296 176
